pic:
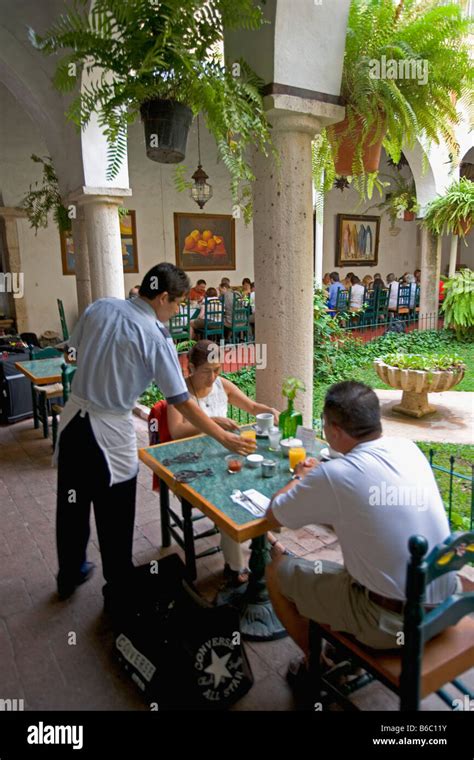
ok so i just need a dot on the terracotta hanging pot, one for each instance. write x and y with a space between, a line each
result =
166 125
408 216
348 142
464 226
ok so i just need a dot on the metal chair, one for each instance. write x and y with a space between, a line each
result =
438 644
180 326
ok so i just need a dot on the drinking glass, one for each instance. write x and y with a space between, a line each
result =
274 438
296 455
251 434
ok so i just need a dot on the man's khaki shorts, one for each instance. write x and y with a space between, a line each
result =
325 592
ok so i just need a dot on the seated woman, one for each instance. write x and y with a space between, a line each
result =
213 394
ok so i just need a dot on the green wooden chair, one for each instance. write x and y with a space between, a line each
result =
213 318
67 373
438 642
343 300
403 302
180 326
44 395
240 328
62 318
381 306
369 315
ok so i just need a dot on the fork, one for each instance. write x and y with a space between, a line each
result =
255 510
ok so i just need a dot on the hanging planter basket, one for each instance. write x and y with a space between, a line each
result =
347 143
408 216
464 226
167 124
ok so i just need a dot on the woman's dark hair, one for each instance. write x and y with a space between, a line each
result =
199 353
211 293
165 278
201 282
354 279
246 279
334 276
354 407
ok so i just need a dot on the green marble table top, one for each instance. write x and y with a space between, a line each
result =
42 370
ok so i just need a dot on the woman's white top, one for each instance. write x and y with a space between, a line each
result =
357 296
215 403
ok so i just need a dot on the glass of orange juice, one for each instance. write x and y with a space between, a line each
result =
297 454
250 434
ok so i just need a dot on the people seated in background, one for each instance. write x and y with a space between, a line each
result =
401 279
327 280
198 323
226 291
378 282
367 281
363 597
392 285
409 279
252 308
334 289
225 281
347 282
417 274
246 286
357 294
198 292
133 292
213 394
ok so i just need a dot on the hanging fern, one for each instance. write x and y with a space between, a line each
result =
139 50
413 33
452 212
42 199
458 304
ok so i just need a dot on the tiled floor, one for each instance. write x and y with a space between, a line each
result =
59 655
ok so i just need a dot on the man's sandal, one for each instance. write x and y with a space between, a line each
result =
285 552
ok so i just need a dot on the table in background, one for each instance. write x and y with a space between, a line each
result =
41 372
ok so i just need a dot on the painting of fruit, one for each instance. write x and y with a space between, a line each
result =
204 241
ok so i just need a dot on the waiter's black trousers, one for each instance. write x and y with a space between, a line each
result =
83 477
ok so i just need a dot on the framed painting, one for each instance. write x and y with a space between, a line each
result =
357 242
204 242
128 235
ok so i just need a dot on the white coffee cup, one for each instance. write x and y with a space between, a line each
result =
264 422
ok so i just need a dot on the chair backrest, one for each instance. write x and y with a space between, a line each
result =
67 373
417 296
421 626
158 431
240 312
179 326
62 318
342 300
44 353
213 315
382 301
30 338
403 297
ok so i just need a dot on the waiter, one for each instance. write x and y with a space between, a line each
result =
121 346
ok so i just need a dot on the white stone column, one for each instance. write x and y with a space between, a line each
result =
103 239
453 255
429 282
283 254
81 256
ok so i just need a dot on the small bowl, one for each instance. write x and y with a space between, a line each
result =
254 460
234 463
290 443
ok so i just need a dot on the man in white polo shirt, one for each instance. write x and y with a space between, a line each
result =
381 492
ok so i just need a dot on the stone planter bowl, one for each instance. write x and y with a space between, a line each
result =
416 384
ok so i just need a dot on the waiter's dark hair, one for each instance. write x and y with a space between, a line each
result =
165 278
354 407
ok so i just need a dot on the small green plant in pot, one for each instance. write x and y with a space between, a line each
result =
161 60
458 304
290 418
452 212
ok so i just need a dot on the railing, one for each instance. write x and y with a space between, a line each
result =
450 489
366 331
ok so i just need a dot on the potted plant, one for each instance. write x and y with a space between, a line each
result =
458 304
401 200
162 61
452 212
402 62
417 375
290 418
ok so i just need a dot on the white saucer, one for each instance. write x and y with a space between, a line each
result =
326 455
260 433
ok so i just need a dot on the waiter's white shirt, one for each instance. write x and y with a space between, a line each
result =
121 347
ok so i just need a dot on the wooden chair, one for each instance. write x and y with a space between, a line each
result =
403 301
438 643
369 314
381 308
44 395
67 373
240 327
180 325
343 300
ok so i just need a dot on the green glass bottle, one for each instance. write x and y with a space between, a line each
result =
289 420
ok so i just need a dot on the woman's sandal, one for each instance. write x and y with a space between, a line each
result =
235 578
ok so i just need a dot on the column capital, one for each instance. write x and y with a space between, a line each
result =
110 195
292 113
12 212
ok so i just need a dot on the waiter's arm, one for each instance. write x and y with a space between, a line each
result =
191 411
